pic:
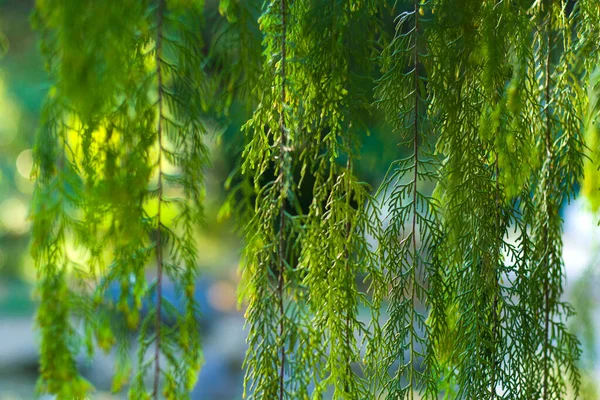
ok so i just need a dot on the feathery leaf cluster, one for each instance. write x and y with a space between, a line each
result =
456 257
122 144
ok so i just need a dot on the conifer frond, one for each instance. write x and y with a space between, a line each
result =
335 251
109 143
560 151
57 194
461 243
412 223
277 330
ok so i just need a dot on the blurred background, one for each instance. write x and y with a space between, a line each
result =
23 85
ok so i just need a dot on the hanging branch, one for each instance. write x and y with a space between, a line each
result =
179 140
412 227
514 141
498 261
277 343
283 146
466 353
159 243
237 55
468 89
556 350
64 177
56 194
503 30
107 122
335 249
548 143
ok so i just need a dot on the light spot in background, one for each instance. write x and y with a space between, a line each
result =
581 234
222 296
9 115
24 185
13 215
25 163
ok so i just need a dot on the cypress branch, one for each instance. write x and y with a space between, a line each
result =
486 98
547 190
159 255
407 255
283 185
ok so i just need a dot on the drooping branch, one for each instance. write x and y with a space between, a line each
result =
406 243
548 189
159 243
335 249
560 159
413 233
283 186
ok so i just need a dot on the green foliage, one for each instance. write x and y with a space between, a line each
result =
493 103
412 230
116 163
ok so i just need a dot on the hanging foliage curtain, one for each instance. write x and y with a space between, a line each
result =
457 255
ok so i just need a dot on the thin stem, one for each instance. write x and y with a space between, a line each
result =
282 175
547 188
414 195
495 321
159 255
348 329
349 279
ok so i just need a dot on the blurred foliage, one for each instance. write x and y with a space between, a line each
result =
22 82
108 183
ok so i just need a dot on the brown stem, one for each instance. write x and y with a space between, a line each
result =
348 328
414 191
349 280
159 255
282 174
495 322
547 188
